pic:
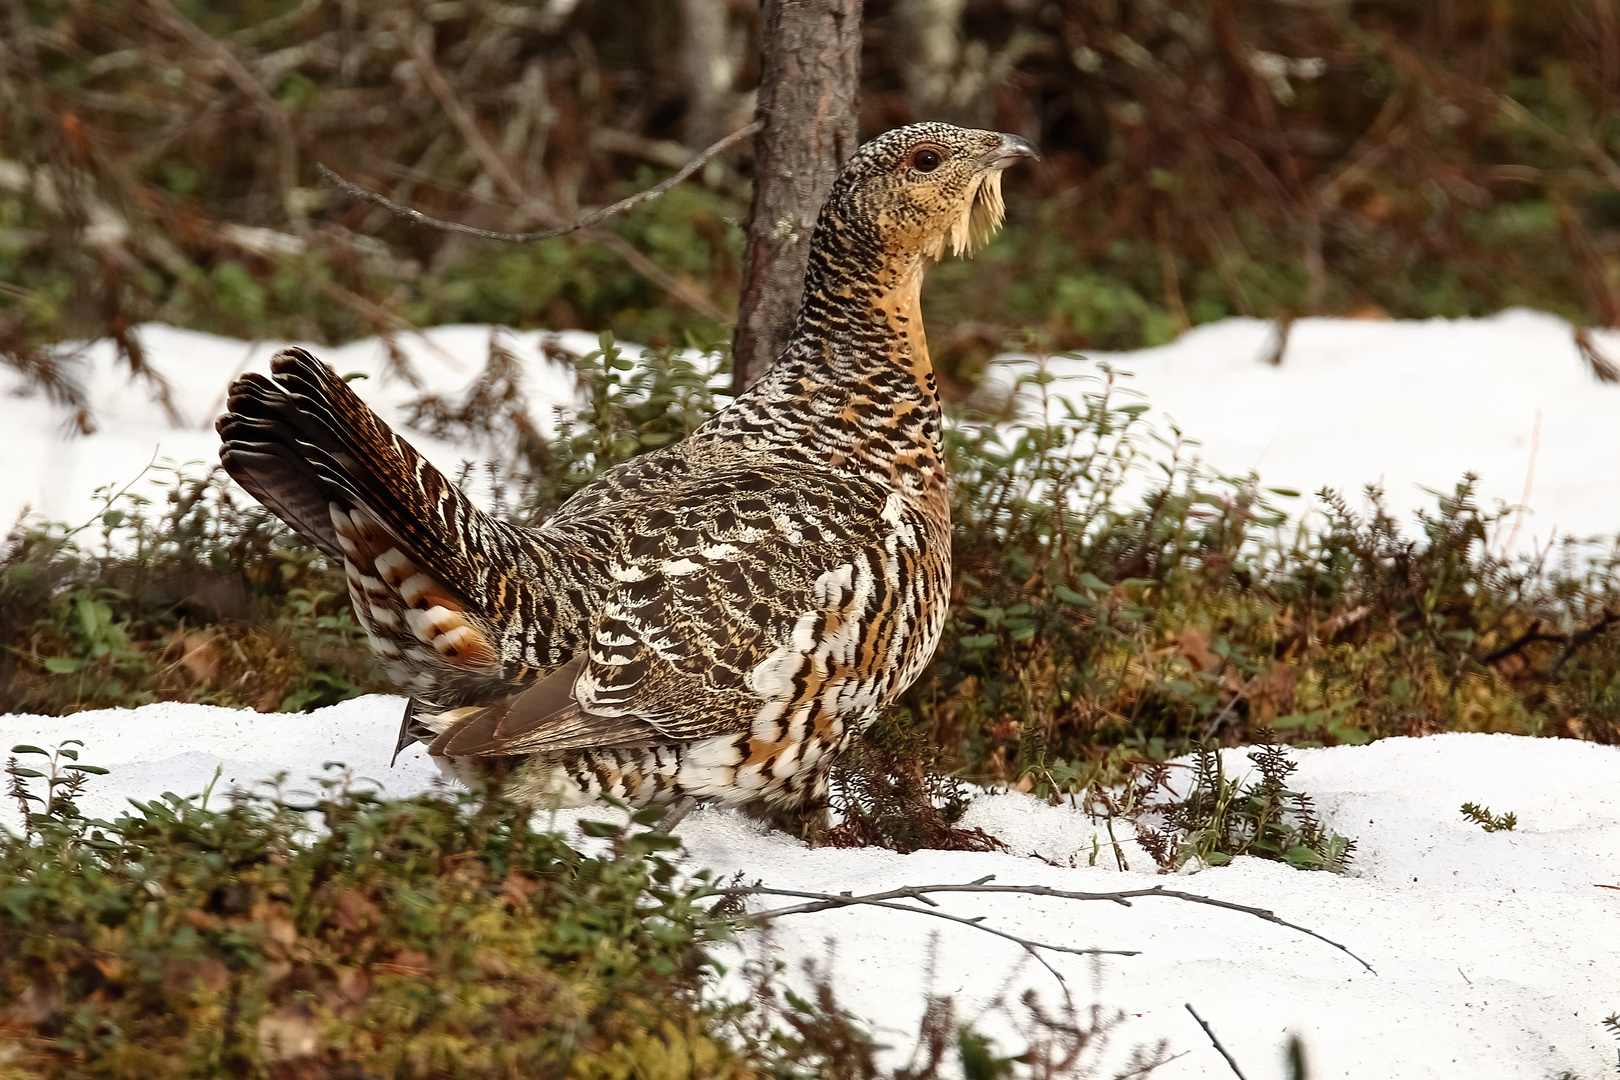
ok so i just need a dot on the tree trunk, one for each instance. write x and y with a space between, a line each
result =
810 75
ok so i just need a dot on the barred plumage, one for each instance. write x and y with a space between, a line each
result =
714 619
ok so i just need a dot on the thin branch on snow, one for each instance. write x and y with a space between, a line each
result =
879 900
1211 1033
920 893
585 222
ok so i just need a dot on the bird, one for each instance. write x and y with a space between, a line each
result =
714 620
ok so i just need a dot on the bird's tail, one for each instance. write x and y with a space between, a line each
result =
302 443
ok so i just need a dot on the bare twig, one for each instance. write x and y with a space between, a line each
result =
824 901
626 250
1242 695
585 222
885 900
501 171
1211 1033
1529 637
1584 637
1571 642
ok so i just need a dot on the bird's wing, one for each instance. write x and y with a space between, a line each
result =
741 595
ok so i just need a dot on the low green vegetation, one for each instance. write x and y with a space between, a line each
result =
1204 817
340 934
335 933
1113 603
1482 816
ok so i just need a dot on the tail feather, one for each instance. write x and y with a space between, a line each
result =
301 441
260 453
310 450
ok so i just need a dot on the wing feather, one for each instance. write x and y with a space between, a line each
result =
743 590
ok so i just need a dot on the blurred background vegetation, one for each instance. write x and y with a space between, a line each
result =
1202 159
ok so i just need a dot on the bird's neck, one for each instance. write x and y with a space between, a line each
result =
855 388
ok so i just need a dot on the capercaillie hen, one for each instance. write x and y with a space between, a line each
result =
713 620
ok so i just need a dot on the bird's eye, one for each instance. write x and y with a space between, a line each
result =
927 160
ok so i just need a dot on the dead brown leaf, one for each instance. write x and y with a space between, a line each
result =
201 656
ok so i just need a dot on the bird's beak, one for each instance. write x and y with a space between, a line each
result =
1012 149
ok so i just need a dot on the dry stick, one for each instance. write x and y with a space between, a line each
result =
826 901
1211 1033
1248 688
976 923
501 172
639 262
1530 481
585 222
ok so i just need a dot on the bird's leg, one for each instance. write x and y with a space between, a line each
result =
677 814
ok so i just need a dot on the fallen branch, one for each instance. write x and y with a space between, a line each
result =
920 893
585 222
1211 1033
887 900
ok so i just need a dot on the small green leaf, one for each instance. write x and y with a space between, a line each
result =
24 748
62 665
1301 857
598 828
1069 596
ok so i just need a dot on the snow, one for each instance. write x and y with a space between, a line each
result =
1496 955
62 469
1411 405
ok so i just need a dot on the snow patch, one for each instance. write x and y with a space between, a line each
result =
1497 955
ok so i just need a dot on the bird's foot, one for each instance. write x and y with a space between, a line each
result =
675 815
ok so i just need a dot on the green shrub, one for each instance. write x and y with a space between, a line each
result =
1221 818
1482 816
343 934
1112 602
187 596
337 933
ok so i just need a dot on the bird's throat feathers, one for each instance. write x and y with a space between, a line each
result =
901 308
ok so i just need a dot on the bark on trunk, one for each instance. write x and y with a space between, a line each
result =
809 78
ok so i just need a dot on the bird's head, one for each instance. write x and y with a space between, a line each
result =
916 189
